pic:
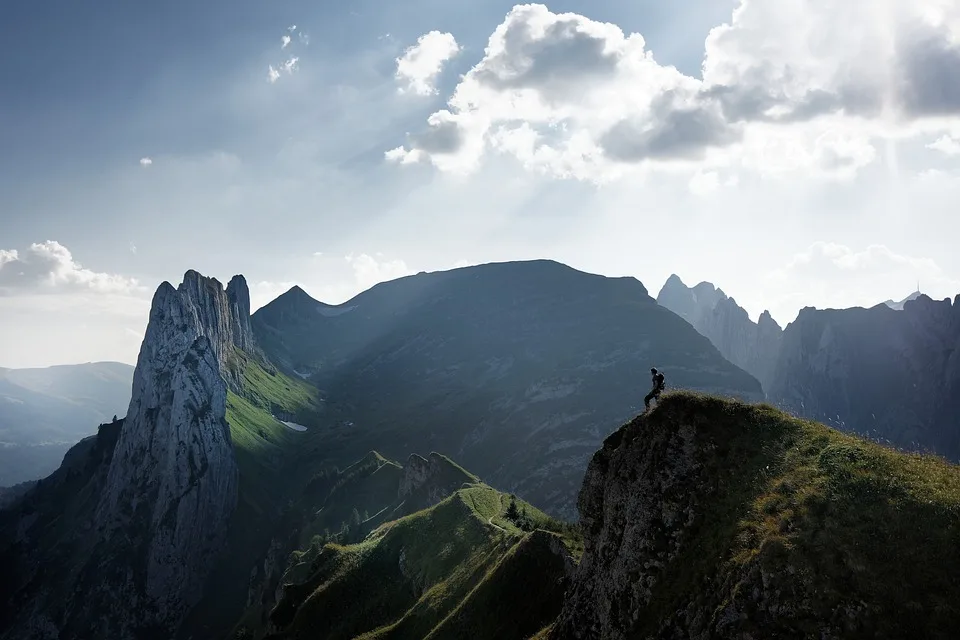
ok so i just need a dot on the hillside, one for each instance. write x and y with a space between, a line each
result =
45 411
166 511
888 374
460 566
514 369
713 518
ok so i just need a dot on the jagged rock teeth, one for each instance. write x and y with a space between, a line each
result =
173 482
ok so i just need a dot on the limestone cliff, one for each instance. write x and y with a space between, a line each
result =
715 519
427 481
888 374
158 516
752 346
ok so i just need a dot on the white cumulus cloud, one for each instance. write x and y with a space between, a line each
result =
49 267
420 64
146 162
284 41
946 144
801 85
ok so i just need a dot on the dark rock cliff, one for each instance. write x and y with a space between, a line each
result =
715 519
888 374
148 520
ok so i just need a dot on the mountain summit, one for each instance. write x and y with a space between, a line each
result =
715 519
753 346
151 509
517 369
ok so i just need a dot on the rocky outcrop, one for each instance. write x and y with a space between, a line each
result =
427 481
174 464
890 375
714 519
752 346
640 497
158 515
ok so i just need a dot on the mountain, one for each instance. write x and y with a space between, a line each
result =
893 375
752 346
137 515
898 305
515 369
441 553
708 518
45 411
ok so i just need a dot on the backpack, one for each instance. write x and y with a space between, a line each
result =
660 383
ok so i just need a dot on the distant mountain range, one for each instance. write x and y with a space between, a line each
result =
891 372
292 474
515 369
45 411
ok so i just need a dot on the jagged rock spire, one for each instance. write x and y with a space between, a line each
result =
173 482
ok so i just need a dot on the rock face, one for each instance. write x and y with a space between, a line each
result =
892 375
752 346
714 519
172 481
516 370
427 481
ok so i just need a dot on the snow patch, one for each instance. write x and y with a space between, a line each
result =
294 425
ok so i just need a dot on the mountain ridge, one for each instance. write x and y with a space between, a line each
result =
752 346
467 359
714 518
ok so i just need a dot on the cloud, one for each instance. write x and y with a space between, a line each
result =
705 183
368 270
420 64
274 72
288 67
805 86
133 248
146 162
946 144
838 276
49 267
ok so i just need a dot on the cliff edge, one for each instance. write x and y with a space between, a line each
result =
710 518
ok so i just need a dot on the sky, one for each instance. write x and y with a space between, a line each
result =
793 152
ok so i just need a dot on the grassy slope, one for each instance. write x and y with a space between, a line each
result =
832 519
266 450
449 552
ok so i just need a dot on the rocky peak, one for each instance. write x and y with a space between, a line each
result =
427 481
766 322
751 346
693 528
173 480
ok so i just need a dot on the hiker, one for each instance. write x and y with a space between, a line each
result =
657 388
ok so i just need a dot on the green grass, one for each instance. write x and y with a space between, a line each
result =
267 453
531 575
831 520
264 446
410 575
